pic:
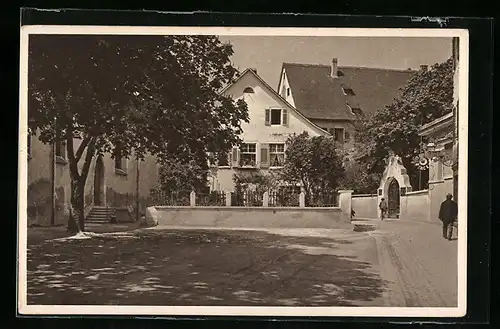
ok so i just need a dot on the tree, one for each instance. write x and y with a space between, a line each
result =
315 162
131 95
359 180
427 96
182 176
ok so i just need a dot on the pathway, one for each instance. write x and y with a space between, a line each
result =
420 266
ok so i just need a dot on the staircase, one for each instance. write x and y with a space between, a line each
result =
101 215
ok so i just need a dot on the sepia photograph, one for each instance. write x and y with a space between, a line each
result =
243 171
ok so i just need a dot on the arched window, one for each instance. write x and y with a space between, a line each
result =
248 90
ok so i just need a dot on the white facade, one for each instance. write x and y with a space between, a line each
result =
271 121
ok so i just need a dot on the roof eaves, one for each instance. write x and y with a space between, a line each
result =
436 125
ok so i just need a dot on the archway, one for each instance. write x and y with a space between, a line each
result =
99 182
394 182
393 200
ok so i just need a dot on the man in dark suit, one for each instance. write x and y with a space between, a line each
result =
448 214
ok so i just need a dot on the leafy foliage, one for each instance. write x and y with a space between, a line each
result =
180 176
315 162
259 181
143 94
427 96
359 180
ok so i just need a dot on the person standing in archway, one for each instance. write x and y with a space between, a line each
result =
383 208
448 213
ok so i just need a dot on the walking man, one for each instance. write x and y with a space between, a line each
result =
448 214
383 208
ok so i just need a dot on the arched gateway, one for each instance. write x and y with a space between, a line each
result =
394 183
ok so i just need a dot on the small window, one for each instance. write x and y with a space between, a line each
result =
288 91
119 160
275 116
357 111
283 91
223 160
348 91
277 154
339 135
248 154
248 90
60 147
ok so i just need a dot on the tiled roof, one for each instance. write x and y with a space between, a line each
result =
319 96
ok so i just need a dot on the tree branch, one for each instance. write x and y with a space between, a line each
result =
88 158
81 148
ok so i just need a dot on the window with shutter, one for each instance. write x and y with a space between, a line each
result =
268 117
235 158
248 154
264 155
285 118
276 155
276 117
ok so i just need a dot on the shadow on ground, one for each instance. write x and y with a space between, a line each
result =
154 267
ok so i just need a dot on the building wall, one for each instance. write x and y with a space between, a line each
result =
440 184
284 89
119 190
415 206
346 125
255 131
365 205
437 193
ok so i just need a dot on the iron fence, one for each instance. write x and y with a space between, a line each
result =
322 200
161 198
246 199
284 198
214 198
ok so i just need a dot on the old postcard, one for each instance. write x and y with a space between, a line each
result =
243 171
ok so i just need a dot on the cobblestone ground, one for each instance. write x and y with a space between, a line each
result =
398 264
419 263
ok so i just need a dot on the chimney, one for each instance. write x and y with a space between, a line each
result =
423 68
334 68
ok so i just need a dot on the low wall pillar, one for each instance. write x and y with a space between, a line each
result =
345 204
192 199
265 199
302 200
228 199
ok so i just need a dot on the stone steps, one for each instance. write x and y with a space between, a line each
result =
101 215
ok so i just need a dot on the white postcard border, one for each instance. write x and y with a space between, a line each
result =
458 311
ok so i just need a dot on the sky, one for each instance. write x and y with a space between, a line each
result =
267 53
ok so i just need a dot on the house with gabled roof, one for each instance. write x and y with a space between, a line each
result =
333 97
272 119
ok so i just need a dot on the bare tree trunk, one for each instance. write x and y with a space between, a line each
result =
76 222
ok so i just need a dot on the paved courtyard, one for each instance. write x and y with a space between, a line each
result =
397 264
